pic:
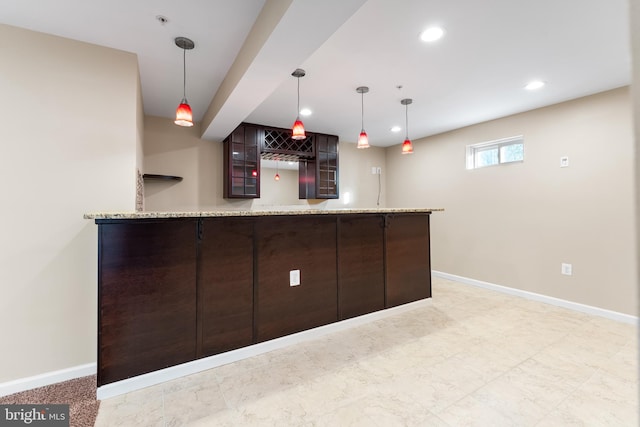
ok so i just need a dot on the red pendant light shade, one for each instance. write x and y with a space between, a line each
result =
297 132
363 139
407 146
184 116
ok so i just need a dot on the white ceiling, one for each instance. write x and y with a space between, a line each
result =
477 72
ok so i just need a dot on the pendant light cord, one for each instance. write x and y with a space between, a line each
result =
379 188
362 109
184 73
406 123
298 112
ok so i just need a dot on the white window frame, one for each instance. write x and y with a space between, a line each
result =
472 149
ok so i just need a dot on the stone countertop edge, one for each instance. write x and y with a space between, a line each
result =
223 213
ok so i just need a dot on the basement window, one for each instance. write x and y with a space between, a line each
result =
499 151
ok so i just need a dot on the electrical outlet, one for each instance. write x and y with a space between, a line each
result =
373 170
294 278
564 162
566 269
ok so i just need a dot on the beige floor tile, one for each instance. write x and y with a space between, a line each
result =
469 412
334 390
472 357
349 415
624 364
539 382
603 401
393 410
143 407
192 403
488 360
429 390
513 403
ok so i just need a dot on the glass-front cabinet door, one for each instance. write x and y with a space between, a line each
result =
327 166
242 163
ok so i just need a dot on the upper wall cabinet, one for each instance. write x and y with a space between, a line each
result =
242 162
248 143
318 178
327 166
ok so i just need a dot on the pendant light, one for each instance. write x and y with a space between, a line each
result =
298 127
184 117
277 177
363 139
407 146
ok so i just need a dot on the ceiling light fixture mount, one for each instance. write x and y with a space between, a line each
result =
297 131
184 116
407 146
363 139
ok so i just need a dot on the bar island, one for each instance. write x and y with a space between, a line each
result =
175 287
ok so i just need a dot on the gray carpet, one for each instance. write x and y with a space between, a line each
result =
79 394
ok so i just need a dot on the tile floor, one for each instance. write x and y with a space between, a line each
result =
471 357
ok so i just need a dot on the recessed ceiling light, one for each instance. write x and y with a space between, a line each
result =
432 34
305 112
396 129
536 84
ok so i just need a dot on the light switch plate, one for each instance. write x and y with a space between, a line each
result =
294 278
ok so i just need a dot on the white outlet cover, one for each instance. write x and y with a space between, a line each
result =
566 269
294 278
373 170
564 161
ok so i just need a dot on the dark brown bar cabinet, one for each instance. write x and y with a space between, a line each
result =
174 288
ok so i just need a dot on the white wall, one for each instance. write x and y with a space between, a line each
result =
172 150
514 224
68 137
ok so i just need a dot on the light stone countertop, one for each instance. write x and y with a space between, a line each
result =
226 213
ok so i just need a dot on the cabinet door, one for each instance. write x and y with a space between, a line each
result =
146 297
326 166
360 264
408 258
305 243
225 284
306 179
242 163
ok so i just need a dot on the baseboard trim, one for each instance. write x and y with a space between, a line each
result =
597 311
48 378
174 372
